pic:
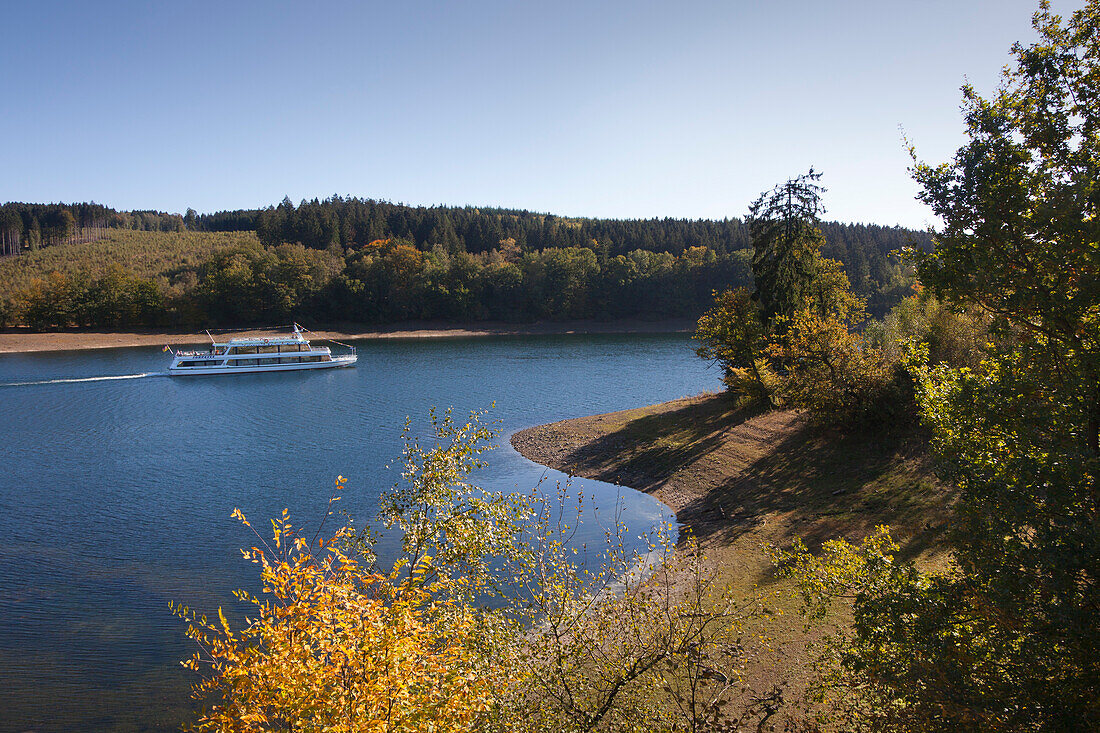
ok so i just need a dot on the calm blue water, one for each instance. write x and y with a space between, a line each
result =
115 495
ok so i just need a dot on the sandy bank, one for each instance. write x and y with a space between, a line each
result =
652 449
18 340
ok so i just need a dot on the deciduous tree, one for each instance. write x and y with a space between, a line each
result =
1009 639
333 646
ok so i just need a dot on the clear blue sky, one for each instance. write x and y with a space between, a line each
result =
611 109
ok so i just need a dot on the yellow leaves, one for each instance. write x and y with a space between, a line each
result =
842 569
339 648
225 623
832 371
588 639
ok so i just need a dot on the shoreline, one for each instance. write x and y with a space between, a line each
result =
16 341
742 480
599 447
737 478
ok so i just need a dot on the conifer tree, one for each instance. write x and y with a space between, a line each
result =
785 240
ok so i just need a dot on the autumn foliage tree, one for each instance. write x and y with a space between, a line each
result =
732 334
795 340
831 369
336 644
492 618
332 645
1008 638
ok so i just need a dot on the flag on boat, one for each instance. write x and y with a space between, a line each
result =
167 348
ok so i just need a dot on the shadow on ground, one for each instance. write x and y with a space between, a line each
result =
736 468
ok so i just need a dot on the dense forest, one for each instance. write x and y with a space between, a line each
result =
366 261
29 226
318 224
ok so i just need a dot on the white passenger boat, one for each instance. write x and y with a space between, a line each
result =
272 354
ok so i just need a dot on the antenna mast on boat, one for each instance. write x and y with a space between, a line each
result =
317 337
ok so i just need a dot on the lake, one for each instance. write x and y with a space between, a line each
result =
115 494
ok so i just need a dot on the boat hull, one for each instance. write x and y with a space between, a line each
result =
337 361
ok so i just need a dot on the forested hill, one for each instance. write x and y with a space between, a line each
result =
864 249
367 261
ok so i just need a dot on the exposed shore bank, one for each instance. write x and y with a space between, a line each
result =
741 480
738 479
21 340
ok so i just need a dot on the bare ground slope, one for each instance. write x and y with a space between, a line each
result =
741 480
727 472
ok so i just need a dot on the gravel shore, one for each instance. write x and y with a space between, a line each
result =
738 478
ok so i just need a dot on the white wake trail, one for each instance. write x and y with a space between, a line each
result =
85 379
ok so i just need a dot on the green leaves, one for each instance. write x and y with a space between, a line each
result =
813 359
785 240
732 334
440 513
1009 640
840 570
